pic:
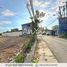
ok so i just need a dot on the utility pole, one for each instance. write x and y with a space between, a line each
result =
66 8
27 5
34 22
60 12
34 17
31 4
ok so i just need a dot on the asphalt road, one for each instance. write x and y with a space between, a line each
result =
58 46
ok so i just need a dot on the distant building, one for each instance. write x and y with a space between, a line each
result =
50 32
27 29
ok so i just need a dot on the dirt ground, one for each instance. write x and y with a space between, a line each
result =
10 46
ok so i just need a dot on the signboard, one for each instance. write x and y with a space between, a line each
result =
62 25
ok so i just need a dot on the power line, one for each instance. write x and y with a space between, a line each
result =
52 22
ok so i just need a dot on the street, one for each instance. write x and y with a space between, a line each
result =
58 46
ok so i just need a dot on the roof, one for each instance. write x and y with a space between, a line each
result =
26 24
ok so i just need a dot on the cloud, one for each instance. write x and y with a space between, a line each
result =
5 22
62 2
55 6
8 12
41 3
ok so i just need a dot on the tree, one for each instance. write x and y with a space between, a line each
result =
0 34
55 28
14 30
37 13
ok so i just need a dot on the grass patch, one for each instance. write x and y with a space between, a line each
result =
34 60
30 44
27 47
19 58
64 36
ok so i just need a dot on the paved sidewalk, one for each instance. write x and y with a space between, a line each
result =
43 53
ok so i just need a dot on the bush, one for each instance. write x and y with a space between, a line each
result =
34 61
19 58
64 35
29 46
0 34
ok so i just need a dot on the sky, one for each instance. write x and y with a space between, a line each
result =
13 13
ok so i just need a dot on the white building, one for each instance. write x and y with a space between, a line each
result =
27 29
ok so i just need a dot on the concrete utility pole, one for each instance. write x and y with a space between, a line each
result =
33 21
31 4
60 15
66 8
30 8
32 14
27 5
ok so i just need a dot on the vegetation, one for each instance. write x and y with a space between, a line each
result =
0 34
28 48
55 28
35 61
14 30
19 58
64 35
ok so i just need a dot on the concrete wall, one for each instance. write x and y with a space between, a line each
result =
12 33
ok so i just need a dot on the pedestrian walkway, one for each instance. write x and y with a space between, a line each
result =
43 53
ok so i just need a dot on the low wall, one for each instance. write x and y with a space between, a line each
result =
12 33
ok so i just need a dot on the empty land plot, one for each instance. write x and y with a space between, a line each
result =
10 46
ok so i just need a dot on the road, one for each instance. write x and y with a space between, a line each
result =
58 46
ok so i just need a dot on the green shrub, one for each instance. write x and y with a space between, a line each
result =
28 48
29 45
34 60
19 58
64 35
0 34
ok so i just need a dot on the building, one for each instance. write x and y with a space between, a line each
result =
27 29
50 32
